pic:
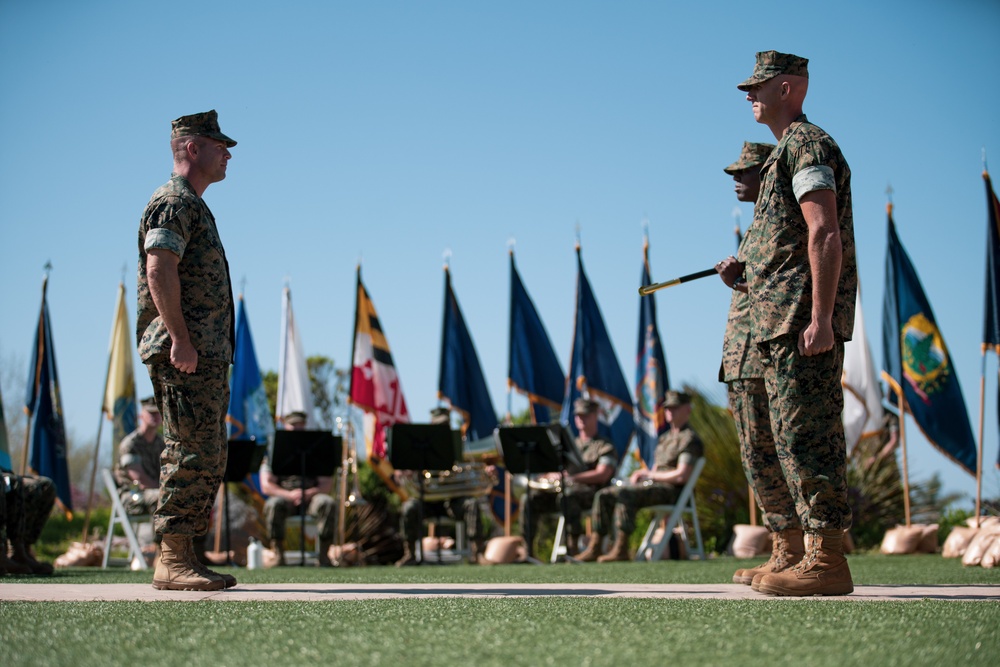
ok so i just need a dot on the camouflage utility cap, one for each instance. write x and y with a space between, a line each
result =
584 406
771 63
149 404
440 415
675 399
200 125
752 155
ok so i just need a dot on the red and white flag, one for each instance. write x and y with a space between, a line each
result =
375 387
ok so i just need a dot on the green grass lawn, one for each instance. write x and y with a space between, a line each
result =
513 631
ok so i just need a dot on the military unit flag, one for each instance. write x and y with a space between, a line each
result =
594 371
460 381
534 369
119 393
863 411
5 461
375 386
43 405
917 364
249 416
651 378
991 317
294 386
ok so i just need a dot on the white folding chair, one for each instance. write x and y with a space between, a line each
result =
673 516
128 523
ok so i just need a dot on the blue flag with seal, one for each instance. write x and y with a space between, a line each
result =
461 380
594 371
248 417
534 369
917 364
651 379
43 405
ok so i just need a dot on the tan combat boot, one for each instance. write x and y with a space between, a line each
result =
177 569
278 547
408 558
593 550
228 580
618 550
787 549
822 571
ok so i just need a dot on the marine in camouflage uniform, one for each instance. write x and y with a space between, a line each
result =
187 349
802 277
25 505
140 455
616 506
743 371
600 460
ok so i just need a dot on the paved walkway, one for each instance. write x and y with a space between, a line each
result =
335 592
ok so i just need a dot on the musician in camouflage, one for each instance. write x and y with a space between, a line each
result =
600 460
26 502
801 273
138 470
616 506
185 331
743 371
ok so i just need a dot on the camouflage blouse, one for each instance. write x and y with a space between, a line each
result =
776 250
178 220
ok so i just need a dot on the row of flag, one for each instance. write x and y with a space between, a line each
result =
917 369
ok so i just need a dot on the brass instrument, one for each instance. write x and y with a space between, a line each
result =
547 485
347 497
467 479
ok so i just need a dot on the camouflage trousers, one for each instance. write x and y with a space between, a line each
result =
463 508
807 402
321 506
616 506
25 507
576 498
194 428
748 400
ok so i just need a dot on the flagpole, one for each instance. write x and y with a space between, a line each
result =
906 468
979 458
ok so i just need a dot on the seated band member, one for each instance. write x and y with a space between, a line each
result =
285 495
581 484
137 472
25 504
460 508
676 453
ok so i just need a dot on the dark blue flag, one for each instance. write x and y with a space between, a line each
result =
534 368
461 380
594 370
917 364
249 417
43 404
651 379
991 319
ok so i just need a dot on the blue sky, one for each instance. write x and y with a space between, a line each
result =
392 132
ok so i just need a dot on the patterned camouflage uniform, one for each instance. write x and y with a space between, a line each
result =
193 405
805 395
277 510
28 503
462 508
621 503
743 371
595 451
135 452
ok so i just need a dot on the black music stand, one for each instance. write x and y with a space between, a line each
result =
296 452
242 458
420 447
529 450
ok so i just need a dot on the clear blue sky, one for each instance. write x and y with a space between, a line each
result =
391 132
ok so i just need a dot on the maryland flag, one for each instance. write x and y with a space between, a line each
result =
119 392
375 387
917 364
